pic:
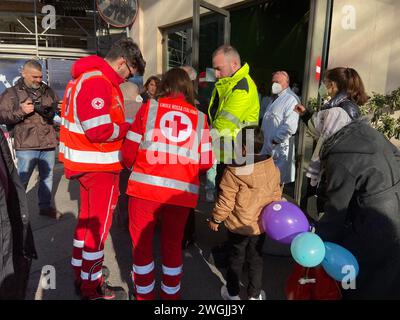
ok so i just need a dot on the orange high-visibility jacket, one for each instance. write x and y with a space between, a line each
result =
77 151
166 147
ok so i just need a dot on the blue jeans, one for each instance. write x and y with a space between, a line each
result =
27 161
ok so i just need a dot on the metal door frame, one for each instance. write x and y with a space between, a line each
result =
197 4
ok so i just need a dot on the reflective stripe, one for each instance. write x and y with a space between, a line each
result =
133 136
205 147
92 255
248 124
96 157
231 118
94 277
164 182
115 133
172 271
71 126
145 289
95 122
78 243
76 262
170 290
168 148
79 86
143 269
151 119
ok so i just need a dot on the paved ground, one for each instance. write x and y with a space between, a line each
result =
203 274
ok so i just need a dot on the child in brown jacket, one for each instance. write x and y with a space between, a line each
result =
245 190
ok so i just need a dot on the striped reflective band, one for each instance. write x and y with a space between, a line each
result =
79 87
94 276
170 290
143 269
231 118
92 255
151 118
79 243
133 136
168 148
71 126
115 133
164 182
172 271
145 289
95 122
76 262
96 157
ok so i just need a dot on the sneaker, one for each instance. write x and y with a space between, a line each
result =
226 296
210 197
261 296
77 283
50 212
107 292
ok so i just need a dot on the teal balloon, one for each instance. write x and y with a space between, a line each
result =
340 262
307 249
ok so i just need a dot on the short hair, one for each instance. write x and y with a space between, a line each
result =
32 64
283 73
252 135
228 51
192 73
129 90
129 50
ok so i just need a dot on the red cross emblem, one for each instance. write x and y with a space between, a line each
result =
176 126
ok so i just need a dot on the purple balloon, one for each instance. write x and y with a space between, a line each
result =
283 220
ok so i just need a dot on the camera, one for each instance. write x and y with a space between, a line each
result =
47 112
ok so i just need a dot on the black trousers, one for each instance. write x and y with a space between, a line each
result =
245 250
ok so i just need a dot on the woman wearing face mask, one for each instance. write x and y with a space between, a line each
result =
150 88
357 173
345 89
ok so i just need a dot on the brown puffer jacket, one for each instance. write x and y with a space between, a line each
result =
245 191
29 131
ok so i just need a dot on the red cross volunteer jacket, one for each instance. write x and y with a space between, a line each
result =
166 148
93 124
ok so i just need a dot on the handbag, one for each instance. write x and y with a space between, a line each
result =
311 284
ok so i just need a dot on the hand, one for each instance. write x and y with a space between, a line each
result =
300 109
213 226
27 106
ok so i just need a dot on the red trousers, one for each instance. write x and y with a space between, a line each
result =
98 195
143 215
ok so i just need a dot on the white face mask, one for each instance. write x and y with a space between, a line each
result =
276 88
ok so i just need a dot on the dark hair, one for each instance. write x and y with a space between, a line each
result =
129 50
252 135
156 80
33 64
176 80
349 81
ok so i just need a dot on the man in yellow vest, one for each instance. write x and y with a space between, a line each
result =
234 103
92 131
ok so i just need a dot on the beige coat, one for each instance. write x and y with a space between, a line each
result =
245 192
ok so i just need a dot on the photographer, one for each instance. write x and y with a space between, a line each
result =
28 109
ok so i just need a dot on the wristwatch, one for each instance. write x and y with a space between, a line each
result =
216 221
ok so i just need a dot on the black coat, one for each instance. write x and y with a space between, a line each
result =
16 240
361 192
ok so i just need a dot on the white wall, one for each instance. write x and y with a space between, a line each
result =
373 46
154 14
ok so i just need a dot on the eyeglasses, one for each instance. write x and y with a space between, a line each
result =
131 74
